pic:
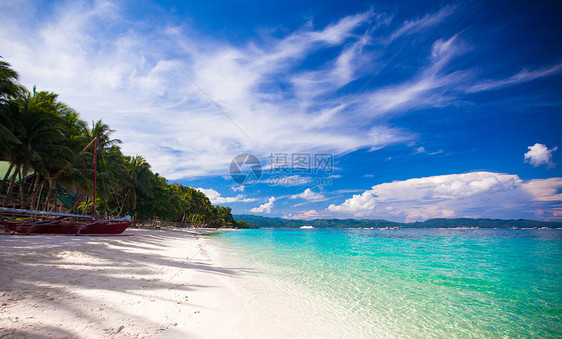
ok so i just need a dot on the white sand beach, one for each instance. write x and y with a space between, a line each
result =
156 283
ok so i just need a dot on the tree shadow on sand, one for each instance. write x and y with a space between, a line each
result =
36 269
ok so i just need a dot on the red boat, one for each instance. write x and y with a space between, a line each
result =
109 226
19 221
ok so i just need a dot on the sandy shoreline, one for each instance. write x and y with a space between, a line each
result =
153 284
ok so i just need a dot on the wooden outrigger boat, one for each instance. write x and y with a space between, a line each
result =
20 221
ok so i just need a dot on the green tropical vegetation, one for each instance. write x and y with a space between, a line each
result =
46 155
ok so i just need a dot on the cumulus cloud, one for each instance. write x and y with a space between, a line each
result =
418 214
544 189
455 195
216 198
451 186
539 154
308 194
360 204
264 208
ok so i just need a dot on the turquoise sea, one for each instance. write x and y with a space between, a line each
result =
408 282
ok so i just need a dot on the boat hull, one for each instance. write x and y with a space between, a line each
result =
53 228
97 227
105 227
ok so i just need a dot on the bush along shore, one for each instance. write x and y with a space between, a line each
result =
47 163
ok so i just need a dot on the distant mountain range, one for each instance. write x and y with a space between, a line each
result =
264 222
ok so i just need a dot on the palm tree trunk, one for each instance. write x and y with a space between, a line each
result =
37 196
75 203
6 177
11 187
123 203
54 196
86 203
21 187
31 192
47 201
37 201
33 184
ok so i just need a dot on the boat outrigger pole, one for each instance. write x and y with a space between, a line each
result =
95 175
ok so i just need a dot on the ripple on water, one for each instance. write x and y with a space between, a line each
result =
428 282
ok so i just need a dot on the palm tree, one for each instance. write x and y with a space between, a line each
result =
75 176
138 181
102 132
9 88
8 140
37 126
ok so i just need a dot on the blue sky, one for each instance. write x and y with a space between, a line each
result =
426 109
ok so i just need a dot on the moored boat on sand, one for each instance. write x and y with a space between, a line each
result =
18 221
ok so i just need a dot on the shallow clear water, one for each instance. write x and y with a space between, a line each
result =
412 282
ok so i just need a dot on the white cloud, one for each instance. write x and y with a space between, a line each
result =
264 208
307 215
216 197
431 87
239 188
415 26
428 212
138 78
422 150
521 77
539 154
544 189
154 84
454 195
451 186
308 194
337 74
360 204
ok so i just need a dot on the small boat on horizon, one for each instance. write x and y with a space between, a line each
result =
306 227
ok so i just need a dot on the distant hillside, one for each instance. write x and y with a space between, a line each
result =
485 223
264 222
